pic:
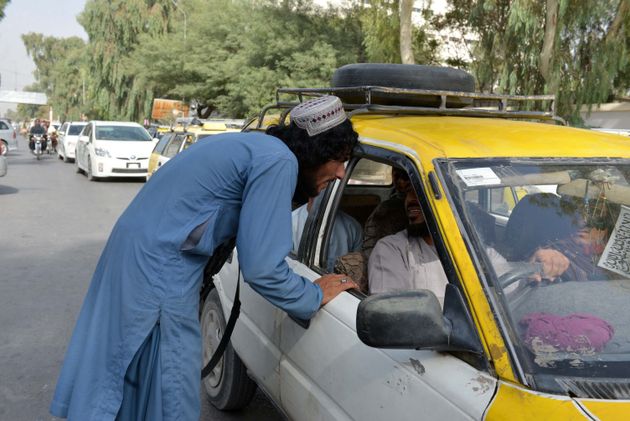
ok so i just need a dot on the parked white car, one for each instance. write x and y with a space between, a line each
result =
68 136
113 149
8 136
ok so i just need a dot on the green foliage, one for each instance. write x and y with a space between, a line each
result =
234 65
588 53
115 28
59 66
381 28
3 4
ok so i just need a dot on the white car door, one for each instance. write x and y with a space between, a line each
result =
82 147
256 336
327 373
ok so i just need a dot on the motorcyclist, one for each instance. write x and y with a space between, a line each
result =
37 129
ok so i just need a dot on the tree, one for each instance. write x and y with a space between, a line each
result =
574 49
388 33
406 38
59 71
3 4
236 64
114 28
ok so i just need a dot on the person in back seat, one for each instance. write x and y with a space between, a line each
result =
389 216
346 236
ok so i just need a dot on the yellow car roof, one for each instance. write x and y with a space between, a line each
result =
470 137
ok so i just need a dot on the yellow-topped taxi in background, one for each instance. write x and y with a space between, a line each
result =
181 137
498 184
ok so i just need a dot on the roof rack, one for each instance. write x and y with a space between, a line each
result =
479 104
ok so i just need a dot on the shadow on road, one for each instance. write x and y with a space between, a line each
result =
7 190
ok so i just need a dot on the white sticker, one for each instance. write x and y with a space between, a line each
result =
478 177
616 255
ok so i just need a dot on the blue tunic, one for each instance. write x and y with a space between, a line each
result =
233 184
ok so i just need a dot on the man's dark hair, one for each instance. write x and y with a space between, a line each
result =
335 143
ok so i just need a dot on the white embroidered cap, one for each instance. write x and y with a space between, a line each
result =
319 114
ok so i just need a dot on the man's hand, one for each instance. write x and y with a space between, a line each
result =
553 262
333 284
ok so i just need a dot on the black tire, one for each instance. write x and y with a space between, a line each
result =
228 387
5 150
406 76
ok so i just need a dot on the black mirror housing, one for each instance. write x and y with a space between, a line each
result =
414 320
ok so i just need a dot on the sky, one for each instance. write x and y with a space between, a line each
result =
49 17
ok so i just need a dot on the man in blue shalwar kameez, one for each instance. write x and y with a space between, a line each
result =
139 321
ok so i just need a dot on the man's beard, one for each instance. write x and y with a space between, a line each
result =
418 230
306 187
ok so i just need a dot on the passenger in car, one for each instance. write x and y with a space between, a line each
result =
389 216
408 259
346 236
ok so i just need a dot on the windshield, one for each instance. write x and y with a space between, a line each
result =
553 244
130 133
75 129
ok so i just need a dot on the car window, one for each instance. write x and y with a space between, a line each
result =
122 133
75 129
3 126
64 127
578 210
174 145
166 138
371 172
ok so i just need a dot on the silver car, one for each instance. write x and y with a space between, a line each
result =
8 136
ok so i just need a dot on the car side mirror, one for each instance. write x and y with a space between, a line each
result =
414 320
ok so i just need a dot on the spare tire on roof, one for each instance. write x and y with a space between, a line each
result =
405 76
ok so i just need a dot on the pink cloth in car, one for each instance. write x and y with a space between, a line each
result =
578 332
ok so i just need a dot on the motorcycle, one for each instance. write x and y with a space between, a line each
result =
37 144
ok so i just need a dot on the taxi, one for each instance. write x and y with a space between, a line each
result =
497 183
181 137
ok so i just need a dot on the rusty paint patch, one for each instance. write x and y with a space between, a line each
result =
417 366
496 352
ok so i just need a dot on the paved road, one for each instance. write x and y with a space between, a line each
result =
53 226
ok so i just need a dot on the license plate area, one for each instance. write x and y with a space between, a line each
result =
133 165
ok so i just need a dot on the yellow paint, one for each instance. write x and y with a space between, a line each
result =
515 404
607 410
432 137
468 137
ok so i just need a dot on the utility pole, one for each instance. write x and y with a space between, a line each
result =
176 4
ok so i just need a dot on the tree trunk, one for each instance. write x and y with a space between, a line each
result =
551 29
406 45
622 13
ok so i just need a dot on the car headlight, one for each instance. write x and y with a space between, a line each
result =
102 152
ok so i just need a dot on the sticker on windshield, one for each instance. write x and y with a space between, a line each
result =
616 256
478 177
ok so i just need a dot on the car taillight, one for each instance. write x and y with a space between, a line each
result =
13 134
